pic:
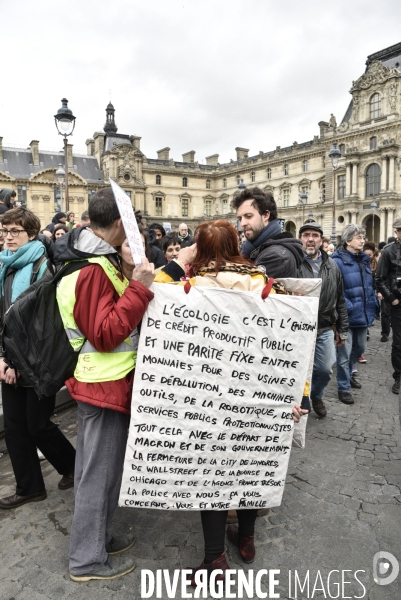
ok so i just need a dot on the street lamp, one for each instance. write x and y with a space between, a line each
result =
310 216
373 206
303 198
241 185
60 174
65 123
335 155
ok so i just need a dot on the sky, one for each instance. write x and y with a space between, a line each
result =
205 76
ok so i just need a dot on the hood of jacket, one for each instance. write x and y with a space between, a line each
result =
81 243
5 195
283 239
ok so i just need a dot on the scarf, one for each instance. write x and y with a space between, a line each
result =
267 233
22 261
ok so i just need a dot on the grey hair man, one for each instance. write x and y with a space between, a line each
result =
360 299
185 237
332 314
388 281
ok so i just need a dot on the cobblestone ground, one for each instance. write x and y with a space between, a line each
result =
341 506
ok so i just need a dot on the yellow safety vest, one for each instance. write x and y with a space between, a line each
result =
94 366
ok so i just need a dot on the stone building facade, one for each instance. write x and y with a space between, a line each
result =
167 190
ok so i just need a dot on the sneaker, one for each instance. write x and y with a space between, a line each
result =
384 338
355 383
362 359
345 397
354 370
396 387
117 545
319 408
120 566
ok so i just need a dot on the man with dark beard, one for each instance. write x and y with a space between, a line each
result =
332 316
266 245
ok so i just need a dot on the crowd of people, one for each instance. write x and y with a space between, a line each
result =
102 306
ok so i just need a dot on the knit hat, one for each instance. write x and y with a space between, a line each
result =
397 224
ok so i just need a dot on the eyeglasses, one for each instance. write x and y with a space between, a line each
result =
13 232
315 236
360 238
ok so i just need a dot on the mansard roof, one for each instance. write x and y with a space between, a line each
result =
389 57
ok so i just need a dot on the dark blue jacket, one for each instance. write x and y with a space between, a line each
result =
358 286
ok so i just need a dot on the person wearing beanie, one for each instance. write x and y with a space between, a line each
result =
7 199
59 217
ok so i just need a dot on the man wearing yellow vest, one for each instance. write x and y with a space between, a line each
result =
101 311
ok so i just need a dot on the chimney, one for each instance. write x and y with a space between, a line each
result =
35 152
1 149
99 146
189 157
163 154
70 160
212 160
241 153
90 147
322 127
135 141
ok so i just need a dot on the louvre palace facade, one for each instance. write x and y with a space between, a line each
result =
167 190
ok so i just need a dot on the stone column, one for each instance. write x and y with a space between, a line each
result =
354 189
382 234
383 184
348 180
391 173
390 219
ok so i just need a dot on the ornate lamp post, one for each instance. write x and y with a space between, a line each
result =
373 206
310 216
335 155
303 198
60 174
65 123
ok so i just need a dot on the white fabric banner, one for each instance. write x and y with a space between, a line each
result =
217 374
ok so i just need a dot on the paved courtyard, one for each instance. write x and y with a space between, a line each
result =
342 505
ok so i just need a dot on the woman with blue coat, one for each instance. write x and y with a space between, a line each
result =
360 299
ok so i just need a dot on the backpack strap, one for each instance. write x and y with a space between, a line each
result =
36 267
70 268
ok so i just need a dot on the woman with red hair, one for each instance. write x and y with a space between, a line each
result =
216 261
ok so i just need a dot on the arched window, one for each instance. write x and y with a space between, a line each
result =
373 177
208 184
305 166
269 173
224 183
373 143
185 182
375 106
158 179
285 169
253 176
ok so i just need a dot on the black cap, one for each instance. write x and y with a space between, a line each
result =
311 225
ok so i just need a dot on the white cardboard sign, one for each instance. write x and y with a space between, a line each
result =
217 374
130 225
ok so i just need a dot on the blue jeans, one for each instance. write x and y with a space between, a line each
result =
348 354
323 361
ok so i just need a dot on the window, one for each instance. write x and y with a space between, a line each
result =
373 177
323 192
91 193
286 197
208 184
253 177
224 183
21 197
342 149
208 208
285 169
158 206
305 190
158 179
224 206
375 106
128 194
373 143
238 179
185 182
184 207
269 173
305 166
341 187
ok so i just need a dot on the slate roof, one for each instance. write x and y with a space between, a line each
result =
114 140
18 163
389 56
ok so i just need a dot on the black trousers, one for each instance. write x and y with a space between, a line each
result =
385 317
214 529
27 426
395 314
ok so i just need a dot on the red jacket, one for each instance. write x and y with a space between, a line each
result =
106 319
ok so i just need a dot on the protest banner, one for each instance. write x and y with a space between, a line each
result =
130 225
217 374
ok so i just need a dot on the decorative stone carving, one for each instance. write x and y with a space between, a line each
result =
45 198
343 127
80 198
35 197
332 121
355 108
377 73
392 96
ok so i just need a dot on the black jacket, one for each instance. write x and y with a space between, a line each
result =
281 256
187 241
332 306
388 270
